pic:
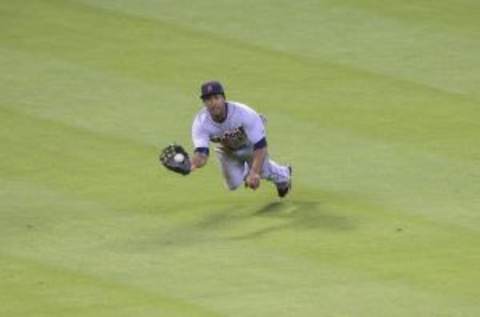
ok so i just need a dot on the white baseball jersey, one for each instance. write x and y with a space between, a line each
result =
243 127
240 134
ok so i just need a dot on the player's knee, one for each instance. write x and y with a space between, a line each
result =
232 186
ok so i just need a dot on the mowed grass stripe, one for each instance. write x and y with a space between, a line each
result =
95 99
87 163
366 158
118 157
146 261
346 32
56 290
380 103
423 232
227 298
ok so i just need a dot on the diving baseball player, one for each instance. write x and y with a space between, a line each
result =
239 132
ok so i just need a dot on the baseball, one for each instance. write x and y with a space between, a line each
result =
179 157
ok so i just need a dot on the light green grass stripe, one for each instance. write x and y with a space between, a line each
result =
51 289
348 32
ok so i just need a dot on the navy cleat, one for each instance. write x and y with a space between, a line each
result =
284 188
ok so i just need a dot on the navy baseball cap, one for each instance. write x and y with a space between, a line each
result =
211 88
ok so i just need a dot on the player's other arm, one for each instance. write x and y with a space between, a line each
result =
259 154
255 129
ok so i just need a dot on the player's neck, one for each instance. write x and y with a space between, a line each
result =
225 114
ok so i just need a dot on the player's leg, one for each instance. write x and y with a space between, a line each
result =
275 172
233 168
278 174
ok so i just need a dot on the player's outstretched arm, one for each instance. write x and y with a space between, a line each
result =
198 160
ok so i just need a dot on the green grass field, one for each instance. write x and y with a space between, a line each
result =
375 103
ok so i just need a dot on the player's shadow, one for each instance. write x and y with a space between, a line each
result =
299 215
289 215
271 208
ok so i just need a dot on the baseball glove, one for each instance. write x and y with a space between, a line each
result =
176 159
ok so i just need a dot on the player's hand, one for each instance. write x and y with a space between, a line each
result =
252 181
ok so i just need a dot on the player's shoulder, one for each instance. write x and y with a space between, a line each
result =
241 108
201 116
201 121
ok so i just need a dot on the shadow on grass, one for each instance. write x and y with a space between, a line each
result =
292 215
298 215
270 208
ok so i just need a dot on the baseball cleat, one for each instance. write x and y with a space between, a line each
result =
284 188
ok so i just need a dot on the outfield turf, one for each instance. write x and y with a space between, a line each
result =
375 103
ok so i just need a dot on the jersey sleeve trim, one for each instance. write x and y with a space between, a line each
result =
260 144
203 150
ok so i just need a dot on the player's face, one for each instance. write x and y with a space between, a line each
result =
216 106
